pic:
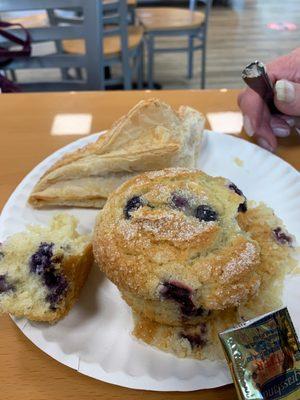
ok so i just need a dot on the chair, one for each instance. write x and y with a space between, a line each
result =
122 44
171 21
89 30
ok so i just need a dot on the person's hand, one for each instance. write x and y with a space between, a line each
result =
284 72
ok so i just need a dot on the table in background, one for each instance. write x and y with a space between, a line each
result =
26 139
35 20
130 3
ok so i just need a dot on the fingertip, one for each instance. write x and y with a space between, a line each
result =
287 97
288 119
240 97
262 142
279 126
248 128
272 140
285 91
267 144
266 139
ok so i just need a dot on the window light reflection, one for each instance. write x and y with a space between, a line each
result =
226 122
71 124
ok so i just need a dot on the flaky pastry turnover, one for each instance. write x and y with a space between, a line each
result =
152 136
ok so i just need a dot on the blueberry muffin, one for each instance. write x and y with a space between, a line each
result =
277 259
43 270
199 341
171 243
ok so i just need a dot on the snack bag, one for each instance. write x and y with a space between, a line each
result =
264 357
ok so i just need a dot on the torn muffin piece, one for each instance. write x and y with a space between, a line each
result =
43 270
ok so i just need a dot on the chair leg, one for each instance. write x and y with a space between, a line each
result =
203 66
150 53
64 74
127 77
190 57
126 70
13 75
132 15
78 72
59 49
140 73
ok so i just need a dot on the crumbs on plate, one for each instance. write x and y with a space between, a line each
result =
238 162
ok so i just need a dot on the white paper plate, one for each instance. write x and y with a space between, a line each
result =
95 337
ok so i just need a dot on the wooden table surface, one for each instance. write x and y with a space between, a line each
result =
26 131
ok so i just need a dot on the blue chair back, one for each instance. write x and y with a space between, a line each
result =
89 29
206 3
113 20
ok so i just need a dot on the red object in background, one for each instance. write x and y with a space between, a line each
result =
282 26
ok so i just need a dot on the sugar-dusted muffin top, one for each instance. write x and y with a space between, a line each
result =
173 234
43 269
277 260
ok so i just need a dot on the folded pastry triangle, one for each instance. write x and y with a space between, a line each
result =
151 136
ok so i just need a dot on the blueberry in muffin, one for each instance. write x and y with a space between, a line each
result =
43 270
171 243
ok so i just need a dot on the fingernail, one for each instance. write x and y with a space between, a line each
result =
289 120
280 131
266 145
285 91
247 126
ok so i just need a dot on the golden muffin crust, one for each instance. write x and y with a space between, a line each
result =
43 269
174 233
277 260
